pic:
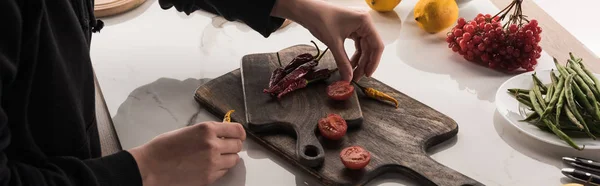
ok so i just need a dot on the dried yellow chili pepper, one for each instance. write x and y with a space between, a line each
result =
371 92
376 94
227 117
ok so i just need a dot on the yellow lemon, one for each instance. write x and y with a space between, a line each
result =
383 5
436 15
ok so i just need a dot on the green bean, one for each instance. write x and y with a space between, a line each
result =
594 91
557 92
523 95
582 99
595 129
578 60
539 83
587 101
572 104
594 125
562 135
592 76
531 117
549 94
517 90
572 117
560 68
585 87
553 77
581 73
525 101
538 95
596 109
574 91
536 106
559 105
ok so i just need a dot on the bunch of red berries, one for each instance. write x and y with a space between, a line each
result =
508 47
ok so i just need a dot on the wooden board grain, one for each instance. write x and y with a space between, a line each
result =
299 111
396 138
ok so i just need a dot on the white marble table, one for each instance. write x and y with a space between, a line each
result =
149 62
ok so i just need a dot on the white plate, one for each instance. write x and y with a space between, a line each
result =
513 111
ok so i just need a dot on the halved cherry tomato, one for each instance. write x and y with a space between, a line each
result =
333 127
340 90
355 157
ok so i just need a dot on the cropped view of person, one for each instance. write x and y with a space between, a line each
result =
48 130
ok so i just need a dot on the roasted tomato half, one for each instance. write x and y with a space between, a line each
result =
332 127
340 90
355 157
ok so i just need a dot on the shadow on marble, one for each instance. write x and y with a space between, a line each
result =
126 16
463 3
430 48
388 22
168 104
212 31
534 148
161 106
256 151
236 176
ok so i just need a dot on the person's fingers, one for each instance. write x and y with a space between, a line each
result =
341 59
375 47
218 174
356 56
228 161
362 63
229 145
230 130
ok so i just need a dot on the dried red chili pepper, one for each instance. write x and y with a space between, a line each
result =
276 76
297 61
291 77
317 75
277 73
301 59
295 85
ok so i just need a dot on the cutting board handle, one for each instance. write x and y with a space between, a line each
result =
437 174
309 150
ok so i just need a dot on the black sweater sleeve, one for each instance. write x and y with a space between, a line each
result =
254 13
18 169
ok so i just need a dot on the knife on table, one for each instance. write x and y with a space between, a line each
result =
583 163
582 176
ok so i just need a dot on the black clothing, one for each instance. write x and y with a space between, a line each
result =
48 133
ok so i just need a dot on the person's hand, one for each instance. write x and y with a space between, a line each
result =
332 25
192 156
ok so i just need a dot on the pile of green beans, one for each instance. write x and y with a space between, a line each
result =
568 106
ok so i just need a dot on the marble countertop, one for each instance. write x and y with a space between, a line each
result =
149 62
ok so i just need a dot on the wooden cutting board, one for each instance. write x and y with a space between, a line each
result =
299 111
396 138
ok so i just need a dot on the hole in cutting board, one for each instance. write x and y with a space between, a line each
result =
311 151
